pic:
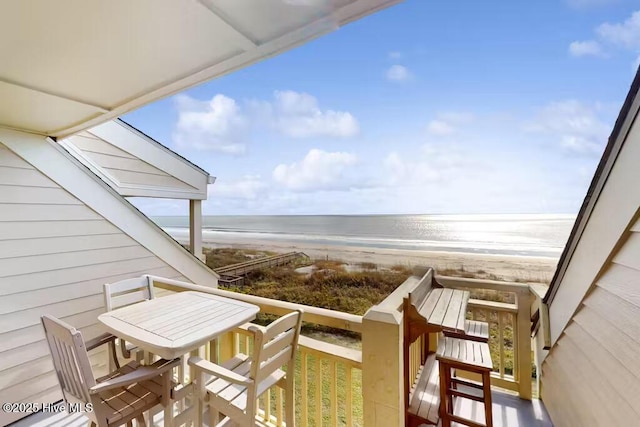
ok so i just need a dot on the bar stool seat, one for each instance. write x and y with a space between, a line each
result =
470 356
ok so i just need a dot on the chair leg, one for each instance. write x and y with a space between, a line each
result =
214 417
486 388
113 357
289 403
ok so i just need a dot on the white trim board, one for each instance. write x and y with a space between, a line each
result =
51 159
191 182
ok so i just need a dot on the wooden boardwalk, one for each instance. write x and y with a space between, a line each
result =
232 274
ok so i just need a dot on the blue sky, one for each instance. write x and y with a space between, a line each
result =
425 107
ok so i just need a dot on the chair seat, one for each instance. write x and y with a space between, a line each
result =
124 401
226 393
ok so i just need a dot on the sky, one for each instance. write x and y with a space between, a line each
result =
428 107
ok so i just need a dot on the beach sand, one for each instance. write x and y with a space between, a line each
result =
510 268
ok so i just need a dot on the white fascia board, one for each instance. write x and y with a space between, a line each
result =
59 165
139 145
132 190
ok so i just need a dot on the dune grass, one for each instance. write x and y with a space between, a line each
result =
331 286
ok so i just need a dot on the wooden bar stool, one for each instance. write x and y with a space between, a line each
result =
470 356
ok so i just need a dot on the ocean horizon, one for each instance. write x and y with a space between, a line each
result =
501 234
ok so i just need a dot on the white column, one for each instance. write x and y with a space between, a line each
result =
382 380
195 228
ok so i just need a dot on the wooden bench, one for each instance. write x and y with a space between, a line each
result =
431 308
422 390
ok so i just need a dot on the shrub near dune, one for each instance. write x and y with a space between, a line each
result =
331 287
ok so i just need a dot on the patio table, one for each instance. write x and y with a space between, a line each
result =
177 324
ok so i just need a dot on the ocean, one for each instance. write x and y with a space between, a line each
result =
512 234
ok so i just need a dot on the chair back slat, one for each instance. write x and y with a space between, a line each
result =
281 325
418 294
275 345
127 292
279 360
70 359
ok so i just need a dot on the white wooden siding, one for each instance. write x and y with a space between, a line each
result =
129 175
55 255
592 373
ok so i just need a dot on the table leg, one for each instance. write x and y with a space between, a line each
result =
198 393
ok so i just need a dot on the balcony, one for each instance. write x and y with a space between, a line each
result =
363 385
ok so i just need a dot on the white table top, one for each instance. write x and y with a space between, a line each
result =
177 324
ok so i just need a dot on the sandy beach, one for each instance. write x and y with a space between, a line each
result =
512 268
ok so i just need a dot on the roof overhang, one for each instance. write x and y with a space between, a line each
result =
618 137
70 65
136 165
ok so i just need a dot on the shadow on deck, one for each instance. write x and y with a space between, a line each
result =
508 411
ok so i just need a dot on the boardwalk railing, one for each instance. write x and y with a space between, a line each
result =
328 378
255 264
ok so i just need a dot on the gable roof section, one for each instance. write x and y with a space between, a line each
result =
134 164
616 141
75 64
57 164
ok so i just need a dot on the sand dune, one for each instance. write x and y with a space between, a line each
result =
518 268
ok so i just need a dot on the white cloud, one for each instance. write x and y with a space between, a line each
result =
625 34
576 126
222 124
432 163
298 115
319 170
249 187
446 123
398 73
215 125
400 171
585 48
395 55
439 127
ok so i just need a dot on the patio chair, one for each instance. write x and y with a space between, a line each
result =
234 387
117 398
124 293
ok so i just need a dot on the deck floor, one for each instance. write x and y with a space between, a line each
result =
508 411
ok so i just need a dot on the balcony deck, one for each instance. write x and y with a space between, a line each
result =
508 411
336 383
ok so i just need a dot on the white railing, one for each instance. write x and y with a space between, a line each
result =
328 378
336 385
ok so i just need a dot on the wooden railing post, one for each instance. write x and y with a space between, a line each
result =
382 381
523 349
226 347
